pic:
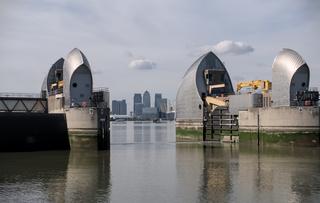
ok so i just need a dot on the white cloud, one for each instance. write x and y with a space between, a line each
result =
228 47
104 30
142 64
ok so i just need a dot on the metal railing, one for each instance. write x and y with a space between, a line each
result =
23 104
19 95
100 89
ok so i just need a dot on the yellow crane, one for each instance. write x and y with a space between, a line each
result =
264 85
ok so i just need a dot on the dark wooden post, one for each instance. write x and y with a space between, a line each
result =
204 116
103 128
258 128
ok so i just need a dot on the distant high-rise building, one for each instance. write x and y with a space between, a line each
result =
137 102
157 100
138 109
123 107
137 98
115 107
163 108
146 99
163 105
119 107
150 113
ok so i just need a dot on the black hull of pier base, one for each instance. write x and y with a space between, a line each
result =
33 132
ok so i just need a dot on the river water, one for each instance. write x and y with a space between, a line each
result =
146 165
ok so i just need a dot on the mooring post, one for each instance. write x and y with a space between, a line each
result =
103 129
204 116
258 128
318 127
231 124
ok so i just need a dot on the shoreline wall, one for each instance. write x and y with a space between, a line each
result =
282 125
33 132
195 124
280 119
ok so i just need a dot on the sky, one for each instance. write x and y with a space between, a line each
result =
138 45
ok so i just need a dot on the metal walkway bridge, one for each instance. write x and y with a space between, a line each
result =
23 102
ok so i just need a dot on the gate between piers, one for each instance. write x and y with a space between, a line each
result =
219 124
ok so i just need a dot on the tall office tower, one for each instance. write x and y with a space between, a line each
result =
115 107
146 99
137 99
119 107
157 100
123 107
138 110
164 105
163 108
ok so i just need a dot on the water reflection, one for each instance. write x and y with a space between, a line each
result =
233 173
88 177
146 134
121 129
273 174
161 133
147 166
55 177
220 164
129 132
32 176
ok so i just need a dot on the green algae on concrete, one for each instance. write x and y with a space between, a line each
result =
266 138
188 135
281 138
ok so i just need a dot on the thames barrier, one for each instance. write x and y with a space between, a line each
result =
284 111
68 114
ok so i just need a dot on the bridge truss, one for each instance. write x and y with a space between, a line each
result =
23 104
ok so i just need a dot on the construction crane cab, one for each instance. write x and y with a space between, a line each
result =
254 85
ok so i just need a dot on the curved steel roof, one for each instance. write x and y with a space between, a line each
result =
287 61
193 84
73 61
44 85
50 77
286 64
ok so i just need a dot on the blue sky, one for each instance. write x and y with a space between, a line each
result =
134 45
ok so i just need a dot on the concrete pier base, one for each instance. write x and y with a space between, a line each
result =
82 128
282 125
83 139
228 139
195 124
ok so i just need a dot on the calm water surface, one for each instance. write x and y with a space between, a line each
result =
146 165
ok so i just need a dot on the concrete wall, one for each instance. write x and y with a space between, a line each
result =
55 103
242 102
280 119
82 128
82 118
33 131
189 124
